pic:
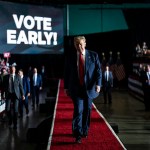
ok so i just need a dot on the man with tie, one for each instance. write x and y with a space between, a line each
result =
43 74
82 82
147 90
13 92
36 83
26 88
107 83
143 78
3 73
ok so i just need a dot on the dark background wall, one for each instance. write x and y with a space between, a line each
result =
54 64
120 39
115 41
138 21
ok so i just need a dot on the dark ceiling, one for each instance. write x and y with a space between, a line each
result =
78 1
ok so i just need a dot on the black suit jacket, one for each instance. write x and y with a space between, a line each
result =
38 82
108 83
18 87
92 77
26 85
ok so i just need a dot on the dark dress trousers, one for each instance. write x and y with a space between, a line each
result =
146 89
13 92
36 89
107 86
26 88
82 96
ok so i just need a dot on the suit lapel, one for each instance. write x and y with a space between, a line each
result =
87 60
14 78
23 81
105 75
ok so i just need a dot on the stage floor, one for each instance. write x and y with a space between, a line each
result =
127 112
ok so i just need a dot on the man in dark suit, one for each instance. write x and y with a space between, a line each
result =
144 72
3 73
13 91
26 88
36 83
82 82
147 100
43 74
107 82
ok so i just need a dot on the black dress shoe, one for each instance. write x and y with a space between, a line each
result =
78 140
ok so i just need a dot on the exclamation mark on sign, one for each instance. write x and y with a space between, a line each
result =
55 38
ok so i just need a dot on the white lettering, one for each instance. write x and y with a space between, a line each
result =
40 41
47 24
55 39
48 37
18 22
29 22
39 22
22 38
11 36
32 35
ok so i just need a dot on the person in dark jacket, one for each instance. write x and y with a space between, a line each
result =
82 82
107 83
13 92
36 86
26 88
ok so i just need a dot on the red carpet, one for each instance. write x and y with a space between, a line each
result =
101 136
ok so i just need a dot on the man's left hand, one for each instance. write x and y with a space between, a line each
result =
23 97
98 88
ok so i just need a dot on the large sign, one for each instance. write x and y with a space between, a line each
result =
42 35
30 29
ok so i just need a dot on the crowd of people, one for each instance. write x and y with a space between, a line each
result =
16 87
84 78
144 74
141 50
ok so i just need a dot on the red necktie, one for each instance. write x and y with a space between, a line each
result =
81 69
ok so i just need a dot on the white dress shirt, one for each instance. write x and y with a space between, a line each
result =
35 79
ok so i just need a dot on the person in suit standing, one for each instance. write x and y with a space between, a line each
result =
26 88
143 78
36 83
3 73
43 74
107 83
82 82
147 89
13 92
30 73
